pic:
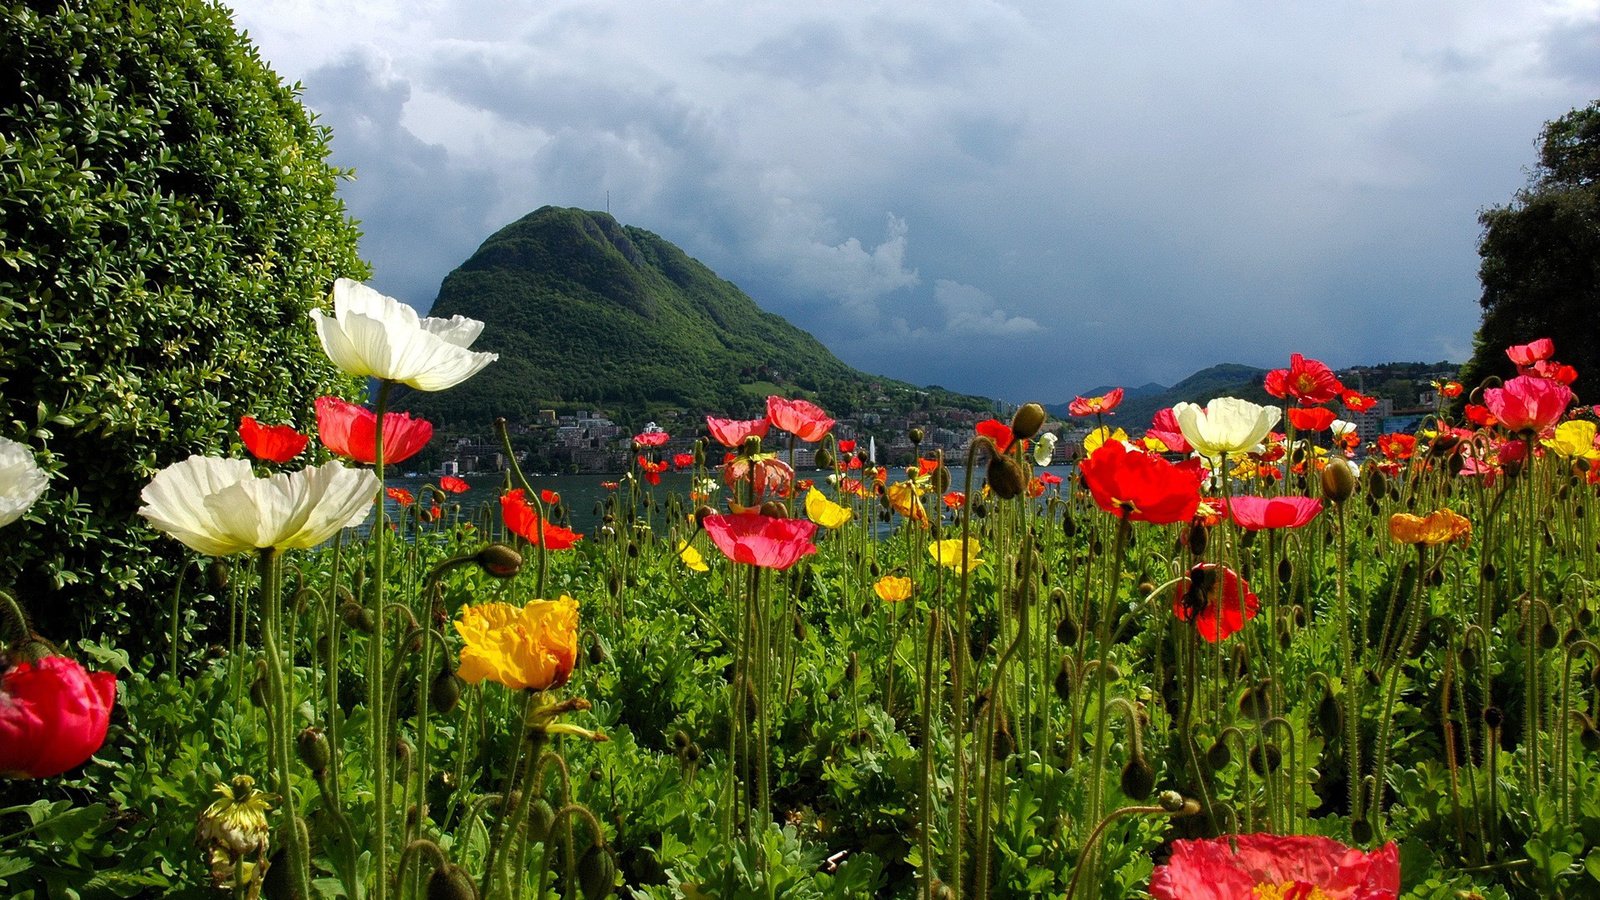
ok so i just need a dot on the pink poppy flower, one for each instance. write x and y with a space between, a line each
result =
801 418
1527 403
764 541
1089 406
1524 355
351 431
1256 513
53 716
732 432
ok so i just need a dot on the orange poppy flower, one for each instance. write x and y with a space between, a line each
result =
523 520
1438 527
997 431
1355 401
453 485
801 418
400 496
1310 418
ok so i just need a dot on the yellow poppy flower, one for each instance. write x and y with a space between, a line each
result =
893 588
1098 437
903 498
691 557
825 512
952 555
1574 439
1438 527
532 646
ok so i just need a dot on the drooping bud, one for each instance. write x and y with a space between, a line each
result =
357 617
775 509
824 458
1197 539
1063 683
1338 481
445 692
597 872
312 745
700 514
1005 477
1265 759
540 817
1219 756
451 883
218 573
1027 420
1138 778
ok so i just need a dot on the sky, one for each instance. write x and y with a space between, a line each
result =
1023 200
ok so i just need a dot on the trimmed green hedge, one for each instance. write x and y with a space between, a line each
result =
167 218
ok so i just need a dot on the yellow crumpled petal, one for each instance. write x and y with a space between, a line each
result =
825 512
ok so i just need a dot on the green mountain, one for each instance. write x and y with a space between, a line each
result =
587 313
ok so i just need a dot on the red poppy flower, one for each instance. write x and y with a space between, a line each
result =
1448 389
1528 404
523 520
549 497
1270 865
1310 418
997 431
683 460
53 716
763 541
1216 599
1164 428
955 499
1307 380
1552 370
610 485
453 485
432 513
1141 487
650 438
926 466
1089 406
852 486
1397 446
351 431
1524 355
400 496
1256 513
801 418
847 447
1049 479
651 470
1479 415
767 474
1355 401
271 443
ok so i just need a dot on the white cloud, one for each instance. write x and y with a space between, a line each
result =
969 311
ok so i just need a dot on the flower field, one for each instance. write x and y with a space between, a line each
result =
1237 654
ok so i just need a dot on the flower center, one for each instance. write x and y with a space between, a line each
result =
1289 890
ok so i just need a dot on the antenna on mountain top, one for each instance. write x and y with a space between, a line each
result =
608 203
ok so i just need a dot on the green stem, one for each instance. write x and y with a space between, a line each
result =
280 707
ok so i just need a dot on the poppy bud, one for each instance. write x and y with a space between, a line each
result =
1590 738
1196 539
1027 420
1064 681
451 883
1067 631
824 458
1138 778
1285 571
774 509
540 817
1171 801
1265 759
445 692
597 872
1338 481
597 653
1219 756
1493 717
1329 720
915 434
357 617
942 891
1548 636
852 668
1361 831
751 446
312 745
218 573
1005 477
1255 703
499 560
700 514
680 739
1004 743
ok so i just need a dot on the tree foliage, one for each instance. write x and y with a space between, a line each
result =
167 219
1541 257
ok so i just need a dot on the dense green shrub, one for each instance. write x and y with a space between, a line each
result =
167 218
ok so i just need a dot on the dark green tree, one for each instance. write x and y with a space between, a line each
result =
167 219
1541 258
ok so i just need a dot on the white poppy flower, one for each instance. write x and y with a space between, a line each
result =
1340 427
1226 425
21 480
219 507
1045 449
375 336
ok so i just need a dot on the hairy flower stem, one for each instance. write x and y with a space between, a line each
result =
1351 677
378 724
1416 612
925 833
958 670
516 800
280 707
1097 798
